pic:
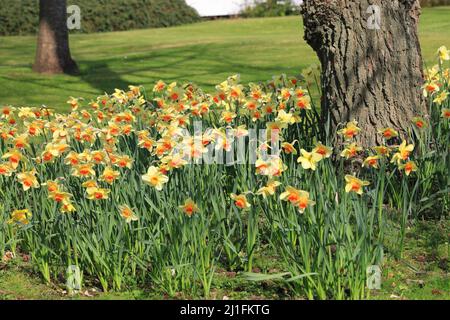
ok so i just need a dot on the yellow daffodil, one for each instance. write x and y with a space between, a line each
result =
67 207
443 54
304 201
59 196
440 98
419 122
309 160
269 188
21 217
155 178
298 198
350 151
290 194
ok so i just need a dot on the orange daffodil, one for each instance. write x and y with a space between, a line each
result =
403 152
408 167
355 185
350 131
95 193
297 198
240 201
388 133
189 207
28 180
127 214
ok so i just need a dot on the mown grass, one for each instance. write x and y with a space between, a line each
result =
205 53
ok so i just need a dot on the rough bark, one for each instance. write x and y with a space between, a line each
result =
373 76
53 53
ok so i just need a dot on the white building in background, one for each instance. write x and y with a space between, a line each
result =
218 8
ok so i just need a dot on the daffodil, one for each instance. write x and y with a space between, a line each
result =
298 198
354 184
291 194
21 217
382 150
350 151
409 167
109 175
440 98
28 180
443 54
309 160
6 169
403 153
371 161
269 188
127 213
67 207
240 201
59 196
97 193
288 148
83 170
189 207
155 178
419 122
14 156
303 103
323 150
285 118
350 130
388 133
445 113
304 201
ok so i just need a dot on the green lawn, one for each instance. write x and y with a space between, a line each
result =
204 53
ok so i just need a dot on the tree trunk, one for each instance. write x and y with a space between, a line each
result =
368 74
53 53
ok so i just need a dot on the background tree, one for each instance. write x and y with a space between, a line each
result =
371 75
53 53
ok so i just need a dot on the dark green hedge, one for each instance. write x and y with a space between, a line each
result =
432 3
19 17
270 8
